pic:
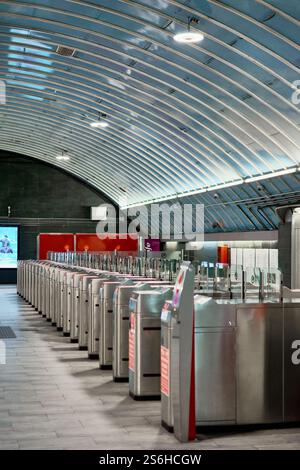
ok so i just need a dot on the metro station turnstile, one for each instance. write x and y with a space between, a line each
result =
83 311
121 299
106 322
75 309
144 341
68 302
94 318
246 363
94 313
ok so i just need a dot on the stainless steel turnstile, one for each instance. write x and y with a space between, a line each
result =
58 280
94 309
106 320
67 303
247 362
144 341
75 306
62 299
56 295
121 299
51 307
120 328
83 311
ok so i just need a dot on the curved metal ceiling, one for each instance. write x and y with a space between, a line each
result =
182 117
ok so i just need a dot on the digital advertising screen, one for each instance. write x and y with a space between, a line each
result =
8 247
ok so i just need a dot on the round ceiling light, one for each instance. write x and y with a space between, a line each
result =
189 37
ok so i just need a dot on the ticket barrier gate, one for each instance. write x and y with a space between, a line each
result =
56 320
61 301
99 317
56 307
42 287
75 306
120 326
246 363
67 304
40 276
20 278
46 305
83 310
30 281
64 301
144 341
94 308
94 318
106 320
50 312
33 285
95 311
27 282
37 271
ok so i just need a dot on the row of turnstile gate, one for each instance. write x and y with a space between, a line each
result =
212 361
94 309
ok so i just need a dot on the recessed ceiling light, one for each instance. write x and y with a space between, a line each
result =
189 36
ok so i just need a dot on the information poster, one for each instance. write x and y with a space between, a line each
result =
8 247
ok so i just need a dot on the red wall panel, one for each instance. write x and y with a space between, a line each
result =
223 254
54 242
91 242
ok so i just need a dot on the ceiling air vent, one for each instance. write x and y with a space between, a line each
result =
65 51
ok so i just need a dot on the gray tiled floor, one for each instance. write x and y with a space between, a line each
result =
53 397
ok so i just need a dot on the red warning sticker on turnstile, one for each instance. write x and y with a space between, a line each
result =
131 341
164 370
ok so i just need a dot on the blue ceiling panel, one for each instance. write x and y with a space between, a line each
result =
182 117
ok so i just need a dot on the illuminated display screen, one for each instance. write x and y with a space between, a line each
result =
178 288
8 247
